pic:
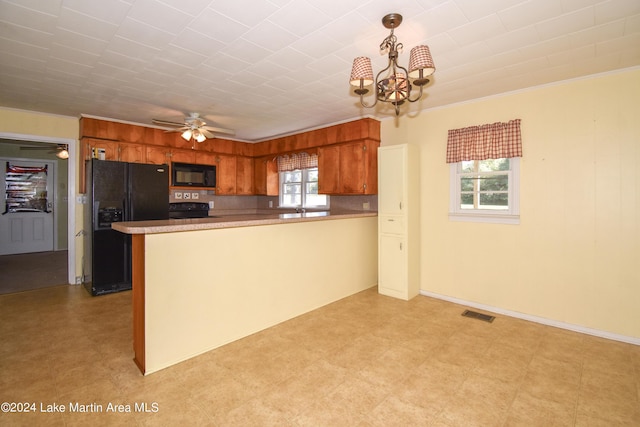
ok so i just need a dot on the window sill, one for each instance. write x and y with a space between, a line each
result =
485 218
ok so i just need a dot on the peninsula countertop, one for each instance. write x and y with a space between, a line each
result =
231 221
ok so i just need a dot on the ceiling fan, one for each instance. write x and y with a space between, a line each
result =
194 127
60 150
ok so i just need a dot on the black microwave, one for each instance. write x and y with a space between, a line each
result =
191 175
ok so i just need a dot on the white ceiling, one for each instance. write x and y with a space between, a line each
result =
266 68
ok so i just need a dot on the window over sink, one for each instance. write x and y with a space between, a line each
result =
299 189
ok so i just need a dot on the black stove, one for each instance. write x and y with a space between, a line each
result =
188 210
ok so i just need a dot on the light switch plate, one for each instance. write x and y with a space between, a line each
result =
211 204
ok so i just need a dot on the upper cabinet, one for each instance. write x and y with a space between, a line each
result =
347 154
226 174
244 175
158 155
265 173
349 168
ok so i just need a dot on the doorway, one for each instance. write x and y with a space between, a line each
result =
60 260
29 215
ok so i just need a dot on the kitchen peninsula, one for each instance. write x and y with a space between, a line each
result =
201 283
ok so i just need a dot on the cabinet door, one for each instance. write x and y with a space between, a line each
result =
134 153
265 176
204 158
244 175
260 177
392 265
110 148
329 170
183 156
226 174
352 168
391 170
157 155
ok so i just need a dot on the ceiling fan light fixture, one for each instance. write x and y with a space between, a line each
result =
199 136
63 154
186 134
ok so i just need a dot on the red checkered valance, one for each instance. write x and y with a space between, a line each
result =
491 141
290 162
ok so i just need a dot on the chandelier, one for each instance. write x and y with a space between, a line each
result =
394 83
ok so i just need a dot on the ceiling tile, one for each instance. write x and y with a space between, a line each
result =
76 22
159 15
529 12
269 36
218 27
300 18
481 29
112 11
245 12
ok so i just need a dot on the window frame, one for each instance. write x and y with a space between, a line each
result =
507 216
303 194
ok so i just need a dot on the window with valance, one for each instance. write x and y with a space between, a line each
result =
485 172
298 173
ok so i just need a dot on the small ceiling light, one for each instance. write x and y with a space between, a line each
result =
394 83
186 134
63 154
198 136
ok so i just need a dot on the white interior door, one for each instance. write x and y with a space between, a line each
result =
26 217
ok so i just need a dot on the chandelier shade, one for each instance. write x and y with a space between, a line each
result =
393 84
361 71
420 60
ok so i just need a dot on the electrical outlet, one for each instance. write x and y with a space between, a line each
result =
177 195
270 203
186 196
366 206
211 204
195 196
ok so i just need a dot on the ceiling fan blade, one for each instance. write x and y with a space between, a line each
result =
167 123
219 130
206 133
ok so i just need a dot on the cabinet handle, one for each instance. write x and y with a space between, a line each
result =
400 245
391 220
400 205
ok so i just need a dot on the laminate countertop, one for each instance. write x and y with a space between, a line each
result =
231 221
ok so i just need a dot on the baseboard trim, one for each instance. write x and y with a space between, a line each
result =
536 319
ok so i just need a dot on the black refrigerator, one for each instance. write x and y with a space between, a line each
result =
118 191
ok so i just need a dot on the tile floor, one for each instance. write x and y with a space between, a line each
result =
367 360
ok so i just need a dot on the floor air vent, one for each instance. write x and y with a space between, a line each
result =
479 316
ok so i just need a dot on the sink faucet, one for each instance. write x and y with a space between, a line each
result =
300 210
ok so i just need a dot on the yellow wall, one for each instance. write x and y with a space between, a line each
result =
207 288
575 257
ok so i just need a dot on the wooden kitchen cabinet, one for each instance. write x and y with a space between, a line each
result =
110 148
244 175
350 168
204 158
183 156
225 174
158 155
132 153
266 179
